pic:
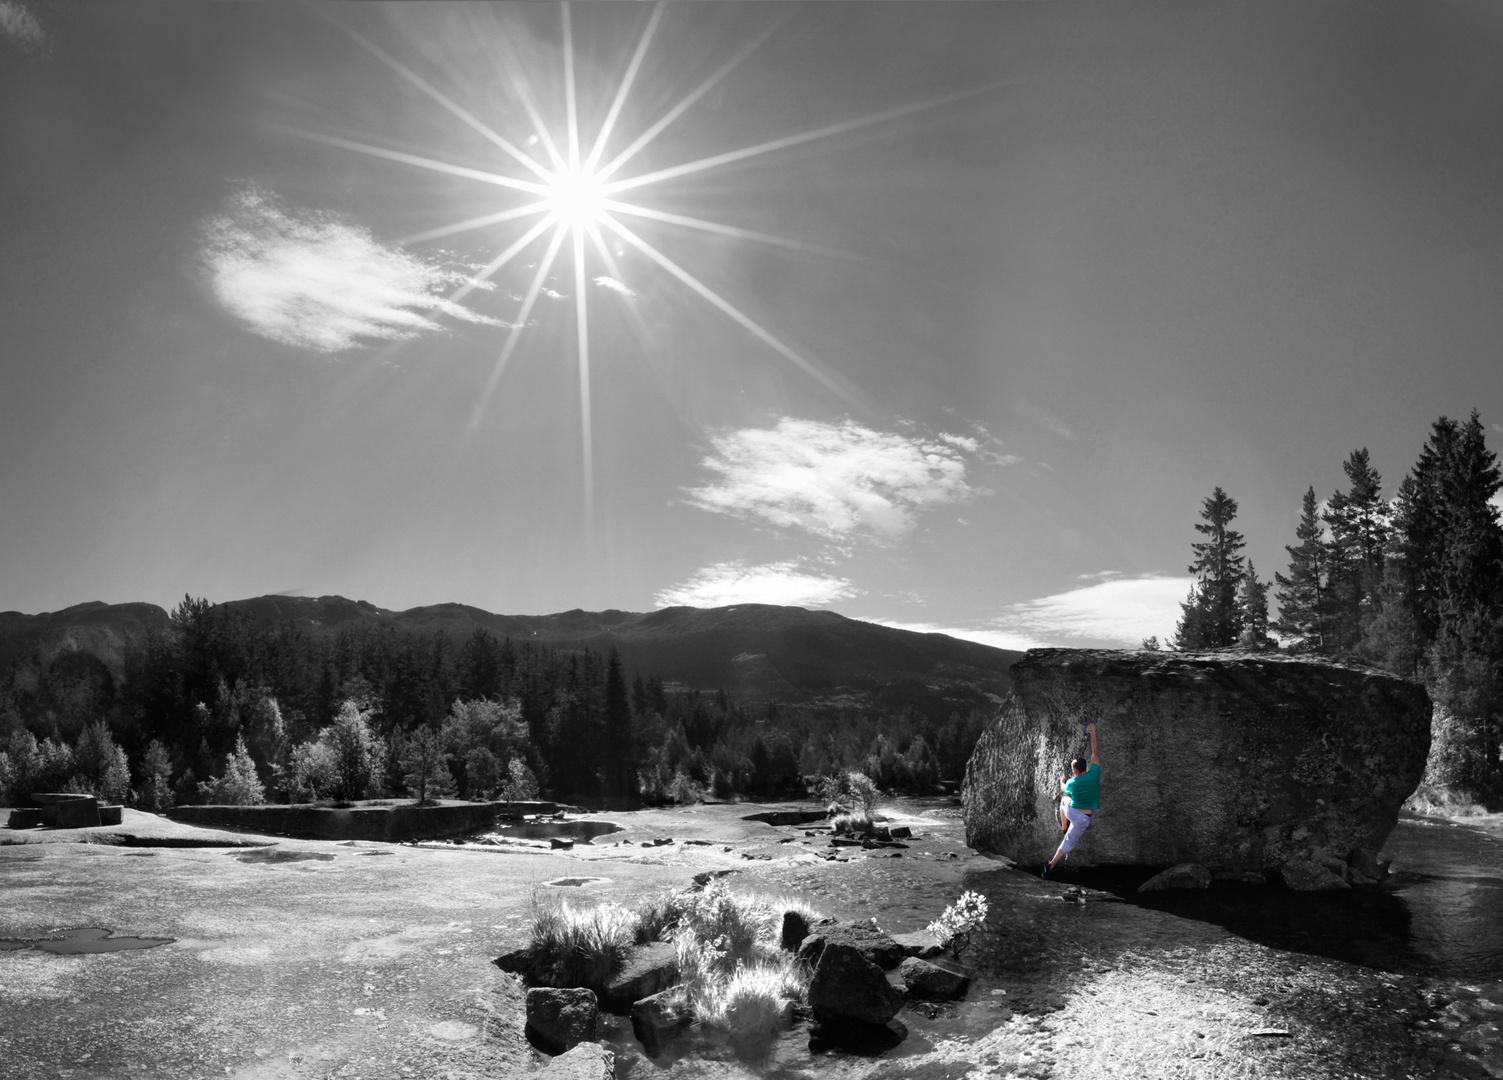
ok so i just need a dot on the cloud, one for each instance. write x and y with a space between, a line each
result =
1119 609
21 27
834 480
314 282
772 583
615 286
997 639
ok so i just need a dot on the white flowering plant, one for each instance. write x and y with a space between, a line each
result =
959 921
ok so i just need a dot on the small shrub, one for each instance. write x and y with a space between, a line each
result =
959 921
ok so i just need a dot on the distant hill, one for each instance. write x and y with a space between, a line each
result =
754 652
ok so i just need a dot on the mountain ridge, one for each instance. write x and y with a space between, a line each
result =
754 652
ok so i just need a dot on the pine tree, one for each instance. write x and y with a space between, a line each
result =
1360 523
1252 604
1302 596
1211 618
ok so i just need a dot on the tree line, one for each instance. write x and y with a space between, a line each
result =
219 707
1412 584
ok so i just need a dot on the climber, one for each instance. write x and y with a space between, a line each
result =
1080 798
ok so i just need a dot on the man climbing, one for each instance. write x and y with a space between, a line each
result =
1080 798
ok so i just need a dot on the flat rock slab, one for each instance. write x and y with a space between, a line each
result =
587 1061
920 943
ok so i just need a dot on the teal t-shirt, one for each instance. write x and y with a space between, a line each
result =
1085 790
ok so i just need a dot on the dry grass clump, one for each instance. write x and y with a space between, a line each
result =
580 946
742 922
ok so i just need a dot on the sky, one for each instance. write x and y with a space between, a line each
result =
944 316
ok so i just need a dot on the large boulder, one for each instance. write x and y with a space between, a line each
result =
1236 761
874 946
848 987
560 1019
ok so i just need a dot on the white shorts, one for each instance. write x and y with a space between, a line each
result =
1079 821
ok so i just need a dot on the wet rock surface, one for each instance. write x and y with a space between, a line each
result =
1235 761
1181 876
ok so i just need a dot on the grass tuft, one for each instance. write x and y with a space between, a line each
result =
582 946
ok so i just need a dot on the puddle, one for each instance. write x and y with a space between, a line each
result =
575 882
277 855
579 831
89 939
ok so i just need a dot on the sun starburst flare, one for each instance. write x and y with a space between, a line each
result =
576 192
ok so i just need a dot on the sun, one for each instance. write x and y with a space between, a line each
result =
578 195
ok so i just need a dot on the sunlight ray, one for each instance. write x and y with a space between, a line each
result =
633 311
716 227
735 313
842 128
517 246
571 103
421 162
437 95
582 325
625 87
694 95
476 223
515 333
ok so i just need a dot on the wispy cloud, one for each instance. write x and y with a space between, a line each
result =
835 480
997 639
1117 609
615 286
21 27
312 281
771 583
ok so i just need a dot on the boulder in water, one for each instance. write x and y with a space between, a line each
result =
1236 761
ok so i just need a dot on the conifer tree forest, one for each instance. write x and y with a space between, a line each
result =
222 708
1411 583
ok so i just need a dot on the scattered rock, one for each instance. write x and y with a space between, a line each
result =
920 943
650 968
558 842
840 841
1181 876
795 929
933 982
587 1061
560 1019
657 1020
847 986
900 832
1306 875
702 879
874 946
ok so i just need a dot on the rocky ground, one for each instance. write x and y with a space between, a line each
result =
362 960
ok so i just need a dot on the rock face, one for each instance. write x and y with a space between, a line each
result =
848 987
558 1020
1235 761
